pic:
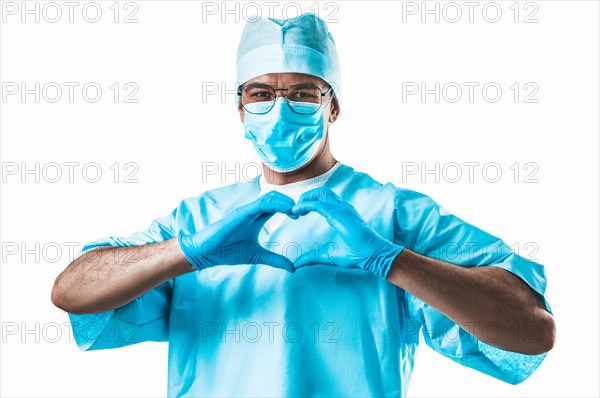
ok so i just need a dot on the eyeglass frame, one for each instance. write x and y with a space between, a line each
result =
287 100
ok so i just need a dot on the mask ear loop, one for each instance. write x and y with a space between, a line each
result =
333 98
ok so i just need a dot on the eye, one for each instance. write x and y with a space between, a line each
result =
262 94
303 94
258 93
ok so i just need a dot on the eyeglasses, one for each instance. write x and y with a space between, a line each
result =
298 96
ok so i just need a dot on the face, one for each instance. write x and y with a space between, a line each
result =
323 156
285 80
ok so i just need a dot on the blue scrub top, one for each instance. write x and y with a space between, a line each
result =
253 330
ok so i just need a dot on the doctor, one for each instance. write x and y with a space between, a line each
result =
312 279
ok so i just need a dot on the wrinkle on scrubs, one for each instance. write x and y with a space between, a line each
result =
324 330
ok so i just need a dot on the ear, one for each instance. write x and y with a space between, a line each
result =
335 110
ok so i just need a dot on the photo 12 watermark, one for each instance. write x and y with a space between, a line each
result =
471 172
65 252
251 11
70 92
453 12
52 332
269 332
490 92
70 172
53 12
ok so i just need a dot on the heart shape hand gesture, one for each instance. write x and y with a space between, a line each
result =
234 238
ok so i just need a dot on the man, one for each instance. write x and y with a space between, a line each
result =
312 279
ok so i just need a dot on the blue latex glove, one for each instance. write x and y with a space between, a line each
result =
356 243
234 238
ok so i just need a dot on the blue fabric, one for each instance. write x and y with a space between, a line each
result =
297 45
285 140
254 330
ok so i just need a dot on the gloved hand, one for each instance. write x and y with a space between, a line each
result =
356 243
234 238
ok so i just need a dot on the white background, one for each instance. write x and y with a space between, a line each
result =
171 54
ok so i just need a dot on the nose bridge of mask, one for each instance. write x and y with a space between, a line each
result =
280 108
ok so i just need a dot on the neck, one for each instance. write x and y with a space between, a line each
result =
319 165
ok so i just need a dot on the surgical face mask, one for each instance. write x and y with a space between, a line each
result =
284 140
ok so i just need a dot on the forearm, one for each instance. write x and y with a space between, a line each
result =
492 304
109 277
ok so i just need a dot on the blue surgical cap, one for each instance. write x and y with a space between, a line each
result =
299 45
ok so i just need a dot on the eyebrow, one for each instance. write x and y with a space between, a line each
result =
272 82
317 84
